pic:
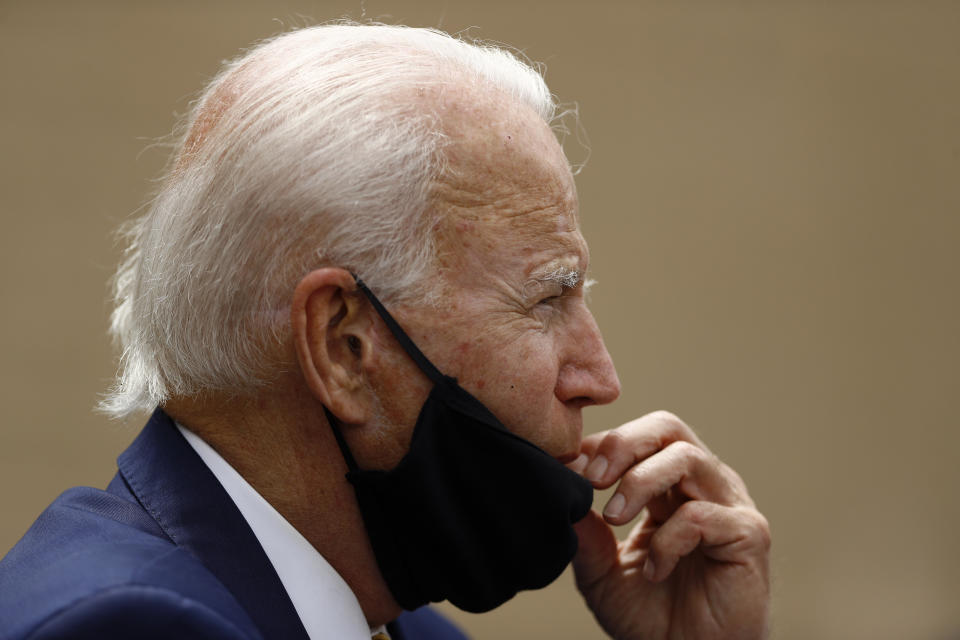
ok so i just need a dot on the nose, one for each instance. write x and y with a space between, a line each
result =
587 375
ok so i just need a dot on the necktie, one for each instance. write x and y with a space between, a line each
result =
380 636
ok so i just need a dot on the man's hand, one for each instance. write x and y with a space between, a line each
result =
696 564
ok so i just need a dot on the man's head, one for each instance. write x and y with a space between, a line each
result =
424 163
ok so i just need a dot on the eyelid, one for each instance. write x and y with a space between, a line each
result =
563 292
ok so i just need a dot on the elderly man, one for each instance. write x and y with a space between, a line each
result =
358 302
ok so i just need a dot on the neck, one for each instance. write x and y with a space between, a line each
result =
284 448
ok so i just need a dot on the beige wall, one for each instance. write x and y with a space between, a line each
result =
772 203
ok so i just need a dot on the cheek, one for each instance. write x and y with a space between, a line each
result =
512 370
518 385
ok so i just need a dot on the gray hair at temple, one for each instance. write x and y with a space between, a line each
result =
308 150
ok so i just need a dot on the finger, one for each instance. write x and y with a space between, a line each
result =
639 536
690 471
590 445
578 464
596 550
663 506
723 534
612 452
588 448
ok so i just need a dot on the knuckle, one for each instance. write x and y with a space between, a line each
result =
612 443
757 528
693 511
731 473
674 428
762 529
687 451
667 418
735 482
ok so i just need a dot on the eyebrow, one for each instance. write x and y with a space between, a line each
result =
566 277
553 274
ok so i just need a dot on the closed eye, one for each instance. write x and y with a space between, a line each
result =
549 300
557 298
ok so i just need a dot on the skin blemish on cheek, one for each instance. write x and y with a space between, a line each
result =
481 384
463 347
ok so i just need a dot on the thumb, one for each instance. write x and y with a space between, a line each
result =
597 550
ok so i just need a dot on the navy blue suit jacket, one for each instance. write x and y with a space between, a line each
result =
162 553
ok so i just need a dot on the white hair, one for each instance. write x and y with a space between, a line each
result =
308 150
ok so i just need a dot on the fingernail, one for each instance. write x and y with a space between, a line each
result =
578 464
649 569
595 471
615 507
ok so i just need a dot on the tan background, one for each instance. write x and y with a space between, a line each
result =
772 203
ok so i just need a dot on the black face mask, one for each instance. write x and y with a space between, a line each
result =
472 513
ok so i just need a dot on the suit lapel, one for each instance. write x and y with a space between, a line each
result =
185 498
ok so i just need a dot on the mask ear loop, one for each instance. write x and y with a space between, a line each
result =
341 442
408 345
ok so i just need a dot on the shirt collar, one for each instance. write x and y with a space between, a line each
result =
324 602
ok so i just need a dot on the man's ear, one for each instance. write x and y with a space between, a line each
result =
331 329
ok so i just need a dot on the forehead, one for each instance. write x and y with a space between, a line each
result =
507 192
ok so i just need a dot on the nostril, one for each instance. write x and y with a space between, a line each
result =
581 401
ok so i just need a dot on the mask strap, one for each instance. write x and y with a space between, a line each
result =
425 365
412 350
341 442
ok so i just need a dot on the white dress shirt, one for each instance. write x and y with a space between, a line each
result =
327 607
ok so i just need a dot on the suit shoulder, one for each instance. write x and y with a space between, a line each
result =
89 545
144 612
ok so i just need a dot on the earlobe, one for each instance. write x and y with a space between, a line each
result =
330 335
